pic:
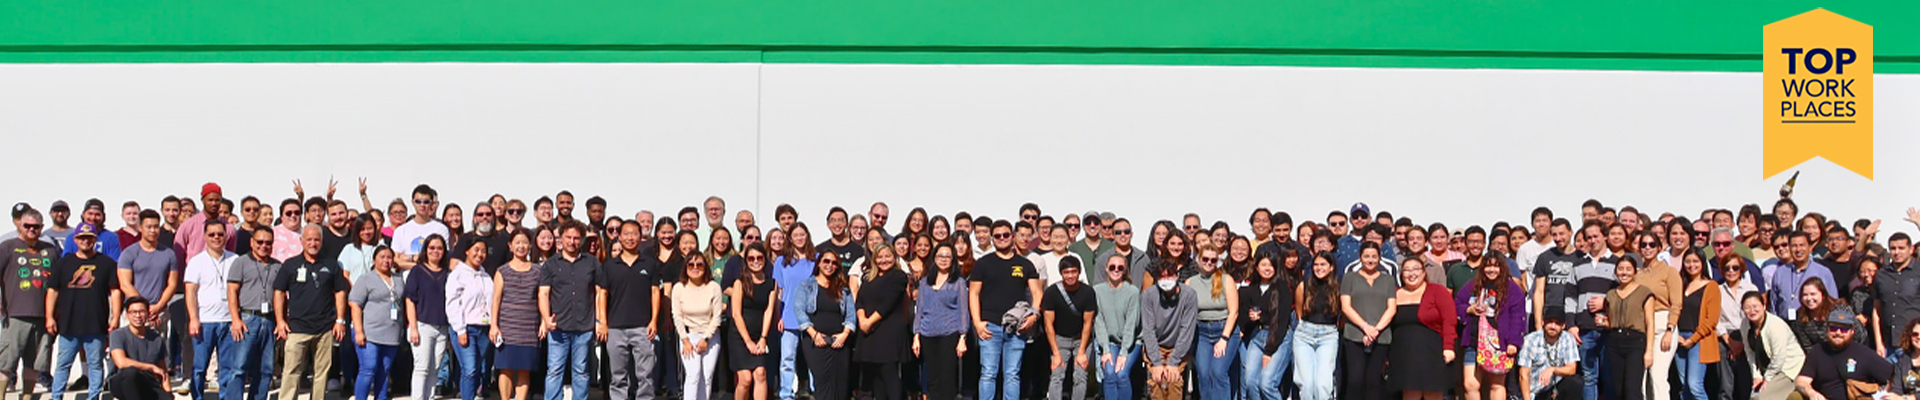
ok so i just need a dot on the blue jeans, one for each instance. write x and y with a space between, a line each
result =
789 350
568 349
1118 384
1692 373
473 363
252 361
65 348
1214 375
1266 385
1593 348
1315 348
376 364
1000 359
214 339
1250 357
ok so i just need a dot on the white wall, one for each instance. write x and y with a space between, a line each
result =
1461 146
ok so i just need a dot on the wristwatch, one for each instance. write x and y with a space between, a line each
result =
340 321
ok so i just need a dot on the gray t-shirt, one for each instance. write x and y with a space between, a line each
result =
1370 301
379 310
149 268
146 349
256 284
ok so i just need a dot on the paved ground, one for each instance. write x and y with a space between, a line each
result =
594 394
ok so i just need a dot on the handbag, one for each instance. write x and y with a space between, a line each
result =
1489 354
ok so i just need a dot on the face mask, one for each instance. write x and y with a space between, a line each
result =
1166 285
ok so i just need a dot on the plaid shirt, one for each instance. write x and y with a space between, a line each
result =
1541 356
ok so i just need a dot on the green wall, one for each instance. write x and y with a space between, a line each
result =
1625 34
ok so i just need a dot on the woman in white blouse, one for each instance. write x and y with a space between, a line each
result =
697 307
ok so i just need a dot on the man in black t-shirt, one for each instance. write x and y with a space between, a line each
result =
1554 288
840 243
309 292
999 282
1831 365
631 292
82 289
484 231
1069 308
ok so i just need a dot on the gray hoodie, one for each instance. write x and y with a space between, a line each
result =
1167 325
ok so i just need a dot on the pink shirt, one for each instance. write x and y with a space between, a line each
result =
192 237
286 243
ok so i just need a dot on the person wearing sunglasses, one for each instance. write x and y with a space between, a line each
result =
409 239
208 316
249 290
1785 287
1000 281
1121 237
1841 366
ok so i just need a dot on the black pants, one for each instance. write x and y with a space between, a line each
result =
1364 370
886 381
943 367
829 368
133 384
1625 365
1569 388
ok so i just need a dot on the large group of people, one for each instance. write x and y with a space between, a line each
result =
426 299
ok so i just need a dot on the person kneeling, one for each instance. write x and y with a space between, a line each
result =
137 351
1550 361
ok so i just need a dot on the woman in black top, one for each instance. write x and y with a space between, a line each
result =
753 296
885 324
1267 318
1316 340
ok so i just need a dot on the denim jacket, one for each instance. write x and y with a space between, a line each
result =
803 299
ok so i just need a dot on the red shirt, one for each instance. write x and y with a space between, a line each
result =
1437 313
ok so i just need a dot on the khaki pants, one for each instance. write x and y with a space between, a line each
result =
1173 390
300 349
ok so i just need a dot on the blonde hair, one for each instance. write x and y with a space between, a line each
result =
1219 274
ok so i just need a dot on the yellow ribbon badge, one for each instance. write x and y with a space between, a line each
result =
1819 92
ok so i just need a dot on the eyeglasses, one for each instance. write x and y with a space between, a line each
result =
516 211
1210 260
1029 217
756 258
1072 226
1722 244
33 227
482 214
1193 227
750 237
263 241
1840 328
216 234
291 213
1002 236
1649 245
1123 231
423 201
1117 268
1336 222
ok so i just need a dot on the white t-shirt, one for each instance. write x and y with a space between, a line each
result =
211 276
1529 253
409 238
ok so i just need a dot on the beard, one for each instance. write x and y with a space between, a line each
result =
486 228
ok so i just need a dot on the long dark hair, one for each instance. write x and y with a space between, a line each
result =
1827 302
933 265
1321 293
804 250
1499 282
963 263
836 281
746 267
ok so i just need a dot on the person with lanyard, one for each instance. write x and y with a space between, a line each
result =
249 290
208 316
375 302
307 293
81 296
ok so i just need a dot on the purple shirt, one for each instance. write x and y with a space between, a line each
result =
1511 321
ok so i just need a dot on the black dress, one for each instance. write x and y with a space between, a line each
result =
753 311
828 364
890 339
1415 362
